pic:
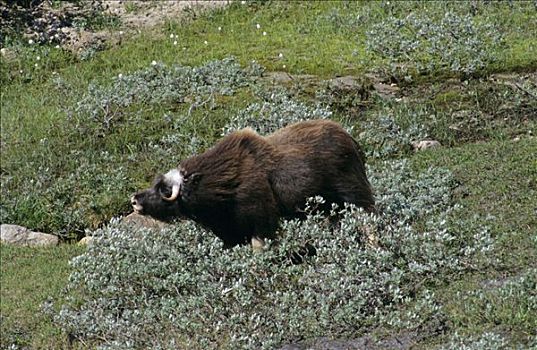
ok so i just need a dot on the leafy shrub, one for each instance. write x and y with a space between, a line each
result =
487 340
276 111
384 136
158 84
423 43
179 288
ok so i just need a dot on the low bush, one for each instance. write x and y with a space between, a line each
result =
179 287
487 340
104 105
275 111
420 43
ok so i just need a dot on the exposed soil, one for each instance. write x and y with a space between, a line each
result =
95 24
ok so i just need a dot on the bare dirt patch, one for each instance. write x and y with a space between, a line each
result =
96 24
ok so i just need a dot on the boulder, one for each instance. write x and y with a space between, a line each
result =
18 235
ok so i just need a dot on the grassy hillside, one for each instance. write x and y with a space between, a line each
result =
80 134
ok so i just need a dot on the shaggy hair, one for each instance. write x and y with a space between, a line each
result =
240 188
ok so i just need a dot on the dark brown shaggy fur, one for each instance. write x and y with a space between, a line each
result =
241 187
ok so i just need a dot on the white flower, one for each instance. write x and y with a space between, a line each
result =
219 29
264 33
243 2
36 65
57 46
258 26
171 36
120 32
284 66
205 42
280 55
154 63
38 58
120 75
30 41
175 42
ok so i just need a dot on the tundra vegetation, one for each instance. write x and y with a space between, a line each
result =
447 263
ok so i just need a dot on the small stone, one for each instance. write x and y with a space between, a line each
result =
425 144
7 53
19 235
85 241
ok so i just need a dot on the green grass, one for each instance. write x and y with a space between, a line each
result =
29 276
498 181
475 121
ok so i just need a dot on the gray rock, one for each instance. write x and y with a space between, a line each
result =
285 78
386 90
347 82
425 144
144 221
279 77
18 235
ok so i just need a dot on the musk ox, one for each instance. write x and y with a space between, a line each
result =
241 187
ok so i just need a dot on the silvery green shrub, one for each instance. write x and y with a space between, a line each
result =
105 104
276 111
176 288
487 340
424 43
383 136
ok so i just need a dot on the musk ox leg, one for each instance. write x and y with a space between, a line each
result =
258 243
352 190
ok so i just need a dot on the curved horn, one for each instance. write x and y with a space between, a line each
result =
175 194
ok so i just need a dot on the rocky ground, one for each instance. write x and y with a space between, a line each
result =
77 26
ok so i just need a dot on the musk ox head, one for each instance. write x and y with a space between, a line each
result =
163 199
